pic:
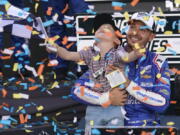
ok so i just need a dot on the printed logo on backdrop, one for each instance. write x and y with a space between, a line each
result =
167 32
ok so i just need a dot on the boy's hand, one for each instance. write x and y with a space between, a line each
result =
139 51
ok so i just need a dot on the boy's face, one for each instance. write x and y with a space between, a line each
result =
106 33
136 34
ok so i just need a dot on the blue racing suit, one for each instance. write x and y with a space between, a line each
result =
75 6
149 90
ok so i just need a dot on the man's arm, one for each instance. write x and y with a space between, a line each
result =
158 97
84 95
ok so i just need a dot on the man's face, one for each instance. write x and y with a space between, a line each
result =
106 33
138 35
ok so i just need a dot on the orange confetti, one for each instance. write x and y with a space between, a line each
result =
178 72
32 88
118 34
66 21
49 11
134 3
98 85
168 45
11 48
1 74
136 88
82 90
145 99
51 65
23 119
117 8
173 102
4 93
65 40
18 82
110 130
5 57
29 27
65 9
69 45
106 104
162 80
31 80
170 129
77 84
5 104
82 32
40 69
174 70
85 18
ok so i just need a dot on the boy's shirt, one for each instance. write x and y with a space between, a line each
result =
97 64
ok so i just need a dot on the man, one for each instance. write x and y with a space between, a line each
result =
148 77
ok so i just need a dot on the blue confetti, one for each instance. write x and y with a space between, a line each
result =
142 59
5 108
27 105
97 39
89 11
11 79
3 2
5 122
25 85
7 66
171 51
27 9
95 132
144 27
1 13
29 19
12 109
45 118
48 23
69 26
119 4
122 86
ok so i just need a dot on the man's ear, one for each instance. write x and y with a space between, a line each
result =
152 36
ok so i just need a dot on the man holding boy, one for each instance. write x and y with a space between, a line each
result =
147 84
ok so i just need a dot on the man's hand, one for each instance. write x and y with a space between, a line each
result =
118 96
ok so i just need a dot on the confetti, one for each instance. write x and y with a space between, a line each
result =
96 58
134 3
40 69
126 15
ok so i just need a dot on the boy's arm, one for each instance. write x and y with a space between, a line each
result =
63 53
127 57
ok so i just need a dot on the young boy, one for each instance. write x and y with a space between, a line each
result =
106 51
